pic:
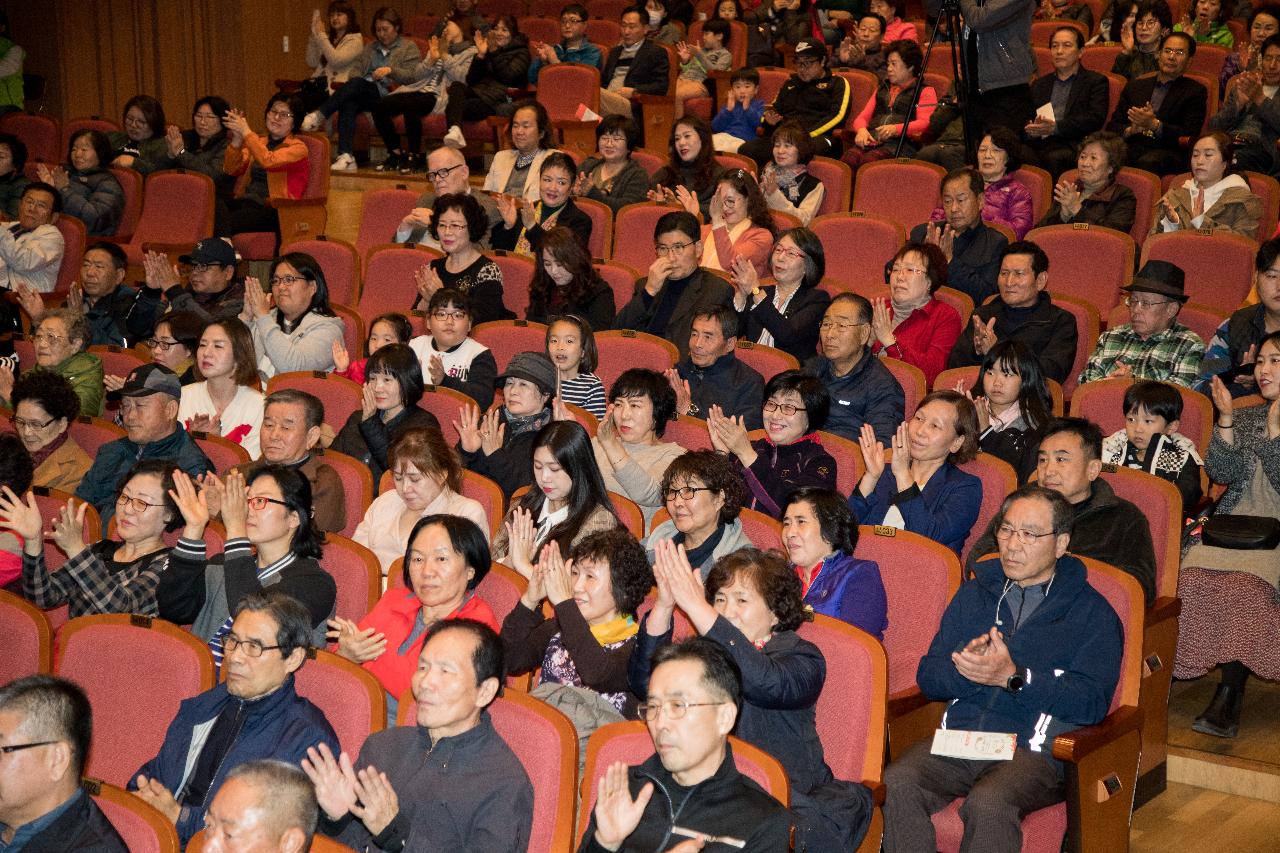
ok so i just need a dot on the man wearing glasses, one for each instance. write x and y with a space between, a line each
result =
813 96
255 713
1154 112
448 173
695 691
573 46
212 293
45 725
1027 650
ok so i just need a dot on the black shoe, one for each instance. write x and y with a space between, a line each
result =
392 163
1222 717
412 163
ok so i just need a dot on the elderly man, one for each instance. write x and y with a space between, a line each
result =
263 806
1077 101
45 728
149 412
448 173
862 389
254 713
695 691
972 249
1024 312
212 291
676 288
813 96
1155 112
864 49
635 66
1153 344
1103 526
31 248
448 783
712 374
1026 649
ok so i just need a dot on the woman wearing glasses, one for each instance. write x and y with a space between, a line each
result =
173 345
141 144
786 314
278 166
789 456
741 230
226 399
702 493
108 576
202 148
300 333
751 605
60 341
44 405
272 541
911 325
459 224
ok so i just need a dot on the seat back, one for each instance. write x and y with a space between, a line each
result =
141 825
91 433
26 638
688 432
223 453
154 666
350 698
920 576
911 378
730 160
506 338
38 132
1123 593
1218 265
51 502
177 207
356 571
546 744
1161 503
600 243
857 246
318 166
447 405
621 279
767 361
1088 262
629 514
852 706
380 215
357 487
353 335
637 221
998 482
1040 184
904 191
131 182
118 361
1146 191
622 349
543 29
517 275
837 182
339 263
603 31
389 269
564 86
1088 327
1102 402
501 588
340 395
648 160
1100 58
489 495
73 243
848 456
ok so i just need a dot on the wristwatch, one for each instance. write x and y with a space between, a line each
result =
1017 681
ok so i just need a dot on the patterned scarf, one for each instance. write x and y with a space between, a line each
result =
523 247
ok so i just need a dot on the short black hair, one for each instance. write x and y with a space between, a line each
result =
908 51
101 145
630 575
1063 512
815 256
720 675
1267 252
185 327
1008 142
1039 260
1159 8
559 160
725 315
400 363
17 152
678 220
1074 31
642 382
487 659
965 173
879 20
1155 398
41 186
719 27
1187 37
309 268
857 300
746 75
814 394
621 125
16 467
1089 434
52 708
465 537
446 296
50 391
118 258
293 620
474 215
312 407
836 521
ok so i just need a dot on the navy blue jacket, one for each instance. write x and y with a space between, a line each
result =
734 386
945 510
1072 644
867 394
115 458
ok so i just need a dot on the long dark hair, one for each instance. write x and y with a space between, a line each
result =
295 491
744 183
704 164
1012 356
309 268
571 446
562 245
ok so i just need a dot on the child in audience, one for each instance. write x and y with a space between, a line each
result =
392 328
698 61
1150 440
786 183
571 346
449 355
738 121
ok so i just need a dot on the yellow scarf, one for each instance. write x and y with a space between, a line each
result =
615 630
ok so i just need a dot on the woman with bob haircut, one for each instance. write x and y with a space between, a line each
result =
786 183
1095 196
445 560
299 334
789 456
227 397
923 490
393 385
628 446
703 494
565 282
821 534
1013 404
785 314
588 641
141 145
751 606
524 223
612 177
89 191
458 223
912 325
278 164
202 148
566 503
44 405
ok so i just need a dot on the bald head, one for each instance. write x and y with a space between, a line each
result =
455 181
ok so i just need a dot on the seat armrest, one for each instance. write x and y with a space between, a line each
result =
1078 744
1162 609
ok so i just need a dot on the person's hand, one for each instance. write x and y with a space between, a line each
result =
212 490
23 518
608 436
1040 127
235 506
353 644
158 797
341 358
256 303
716 208
900 459
984 335
235 122
68 528
1068 197
334 780
659 271
684 584
582 184
378 804
55 175
617 813
729 100
75 297
173 140
508 207
1121 370
1170 212
521 535
1143 117
427 281
158 272
684 397
481 41
6 383
684 51
873 461
368 406
536 590
113 382
981 405
1247 87
211 424
528 216
946 241
433 49
435 369
730 433
864 139
769 182
886 132
419 217
318 29
558 577
379 73
882 322
688 200
468 429
492 431
850 52
30 302
560 412
1127 40
745 277
985 662
1222 401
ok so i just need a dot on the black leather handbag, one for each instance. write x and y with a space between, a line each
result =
1242 532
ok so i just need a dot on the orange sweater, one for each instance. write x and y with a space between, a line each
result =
287 166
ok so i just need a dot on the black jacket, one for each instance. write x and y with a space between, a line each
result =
223 305
649 73
369 440
703 291
1181 113
975 260
596 307
1086 105
1049 330
794 330
820 105
1113 206
510 466
124 317
500 69
728 383
82 827
867 394
570 217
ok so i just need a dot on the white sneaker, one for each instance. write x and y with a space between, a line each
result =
312 121
454 138
344 163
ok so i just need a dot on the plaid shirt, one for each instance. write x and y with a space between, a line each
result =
1171 356
88 584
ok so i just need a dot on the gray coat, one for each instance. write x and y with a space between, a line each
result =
734 538
1233 463
1003 32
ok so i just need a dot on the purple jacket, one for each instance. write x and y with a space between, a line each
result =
1007 202
850 589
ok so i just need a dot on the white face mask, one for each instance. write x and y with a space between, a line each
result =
655 18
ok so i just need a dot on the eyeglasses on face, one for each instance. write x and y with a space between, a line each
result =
160 345
1135 302
787 409
138 505
278 280
441 174
259 502
673 247
18 747
456 316
1023 537
828 325
674 708
279 114
685 493
788 253
31 426
197 268
47 337
251 648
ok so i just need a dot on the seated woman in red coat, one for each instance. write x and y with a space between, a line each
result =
911 325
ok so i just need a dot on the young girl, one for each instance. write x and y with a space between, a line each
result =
1013 405
571 346
692 169
392 328
786 183
523 225
227 398
565 282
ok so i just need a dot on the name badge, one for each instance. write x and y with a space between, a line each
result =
980 746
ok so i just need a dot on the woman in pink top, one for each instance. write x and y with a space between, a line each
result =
741 224
879 125
894 27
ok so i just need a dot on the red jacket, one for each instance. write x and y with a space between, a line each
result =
925 338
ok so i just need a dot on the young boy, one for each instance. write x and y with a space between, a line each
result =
738 121
449 355
573 46
697 62
1150 440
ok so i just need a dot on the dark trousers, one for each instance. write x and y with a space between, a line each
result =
948 155
464 105
348 102
414 106
1157 160
998 795
1006 107
1053 155
242 215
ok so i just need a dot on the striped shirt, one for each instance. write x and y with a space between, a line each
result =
585 390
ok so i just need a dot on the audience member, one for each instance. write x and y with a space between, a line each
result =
813 96
997 40
1013 405
1095 197
299 334
141 145
1263 22
894 27
741 229
970 248
1207 21
202 149
697 61
449 174
265 805
213 291
524 224
713 375
786 182
1232 352
461 220
574 46
565 282
173 345
691 173
278 164
89 191
1005 200
703 493
628 446
499 445
450 357
1150 440
501 62
384 330
740 117
893 111
44 405
1067 10
1248 114
31 250
635 66
1076 98
531 142
785 314
225 399
912 325
1215 198
864 49
612 177
334 48
60 339
13 178
1155 112
571 346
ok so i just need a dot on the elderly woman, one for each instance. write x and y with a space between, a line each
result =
515 170
918 486
628 446
500 444
44 405
703 492
60 341
1249 114
821 534
1005 200
444 562
1263 23
786 182
1095 196
89 191
588 641
300 333
458 223
613 177
106 577
789 456
427 475
784 314
1215 197
741 226
203 148
879 125
141 145
278 166
752 605
1228 588
911 325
